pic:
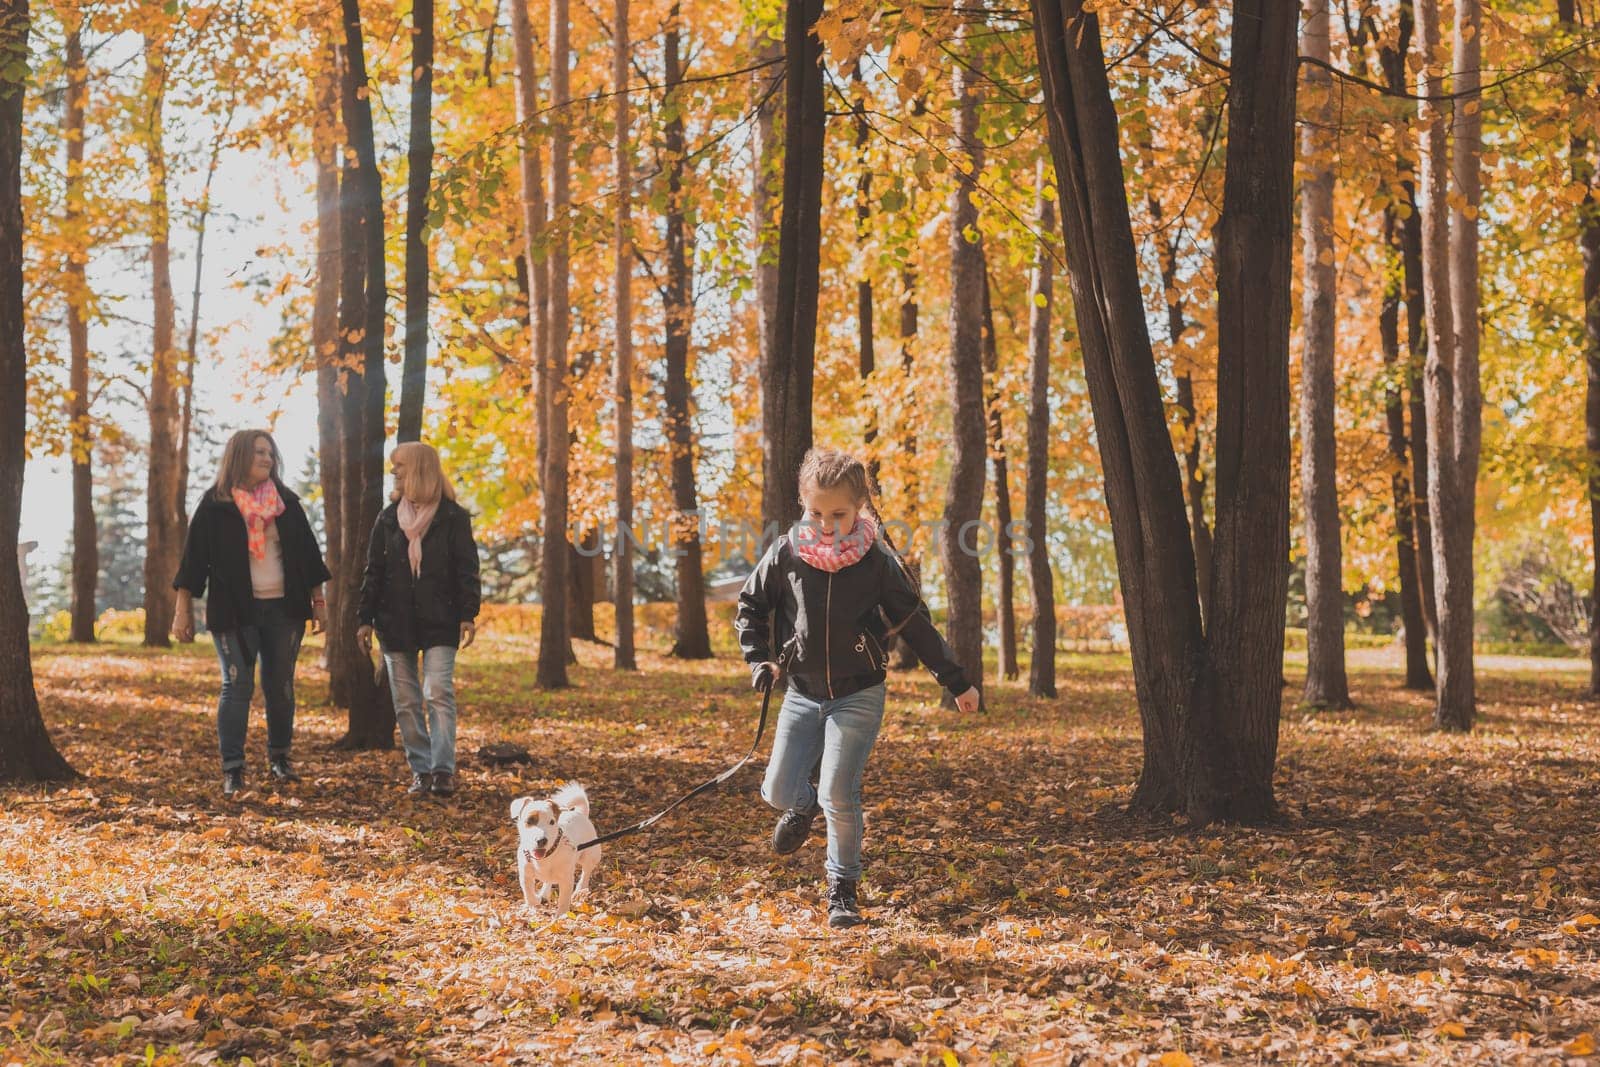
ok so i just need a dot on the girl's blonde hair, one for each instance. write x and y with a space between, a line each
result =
238 456
832 468
423 481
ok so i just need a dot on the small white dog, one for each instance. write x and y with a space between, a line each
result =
549 833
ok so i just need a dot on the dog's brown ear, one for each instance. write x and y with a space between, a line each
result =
518 805
555 811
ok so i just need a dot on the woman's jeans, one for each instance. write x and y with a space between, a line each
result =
842 732
429 736
274 640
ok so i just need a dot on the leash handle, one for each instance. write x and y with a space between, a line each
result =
711 783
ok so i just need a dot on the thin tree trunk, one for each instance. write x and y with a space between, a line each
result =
1194 477
905 657
28 755
692 638
1005 598
1583 173
1326 684
363 298
419 176
962 538
1447 391
325 356
622 377
1042 664
534 214
786 384
1418 675
1414 541
85 535
555 649
765 201
581 558
162 546
866 357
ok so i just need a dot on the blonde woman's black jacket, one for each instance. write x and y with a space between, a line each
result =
832 637
426 611
216 555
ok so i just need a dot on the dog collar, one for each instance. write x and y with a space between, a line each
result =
553 845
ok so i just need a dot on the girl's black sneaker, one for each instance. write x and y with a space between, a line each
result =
794 826
843 911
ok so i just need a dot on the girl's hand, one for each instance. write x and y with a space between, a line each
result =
364 639
319 616
764 675
469 630
183 621
968 702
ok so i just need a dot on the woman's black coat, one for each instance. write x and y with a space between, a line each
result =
425 611
216 554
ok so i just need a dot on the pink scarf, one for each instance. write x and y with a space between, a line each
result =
259 506
414 521
829 553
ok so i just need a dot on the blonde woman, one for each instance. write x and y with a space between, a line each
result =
250 545
420 595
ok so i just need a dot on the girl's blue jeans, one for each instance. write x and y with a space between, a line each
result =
273 640
842 732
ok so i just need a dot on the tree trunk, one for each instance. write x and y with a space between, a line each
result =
555 647
866 356
1418 675
363 297
534 253
905 657
85 536
1326 684
419 176
1414 552
325 351
961 539
1448 392
1194 478
581 559
162 545
691 639
766 190
1583 173
28 755
1005 598
786 382
1042 665
1209 708
623 657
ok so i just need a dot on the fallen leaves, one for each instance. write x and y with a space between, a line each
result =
1432 899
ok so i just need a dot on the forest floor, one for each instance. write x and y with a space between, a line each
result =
1426 898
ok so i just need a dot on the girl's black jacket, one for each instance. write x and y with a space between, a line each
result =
832 637
426 611
216 553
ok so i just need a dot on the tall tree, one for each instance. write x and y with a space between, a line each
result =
1041 582
623 657
1407 445
27 754
866 355
554 641
534 259
1005 598
1208 701
85 540
326 354
905 657
163 544
419 176
786 380
1326 684
691 636
963 499
1581 161
363 297
1450 279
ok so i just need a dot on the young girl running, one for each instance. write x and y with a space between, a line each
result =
826 579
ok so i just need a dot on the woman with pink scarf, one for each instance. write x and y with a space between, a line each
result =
838 593
420 595
251 553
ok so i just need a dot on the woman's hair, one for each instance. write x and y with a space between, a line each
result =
424 481
237 458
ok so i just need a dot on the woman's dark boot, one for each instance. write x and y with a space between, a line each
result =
843 910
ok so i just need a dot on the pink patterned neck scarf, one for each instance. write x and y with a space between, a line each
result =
259 506
829 553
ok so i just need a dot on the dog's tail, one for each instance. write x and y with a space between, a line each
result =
572 795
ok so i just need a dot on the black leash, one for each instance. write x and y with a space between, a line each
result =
761 729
